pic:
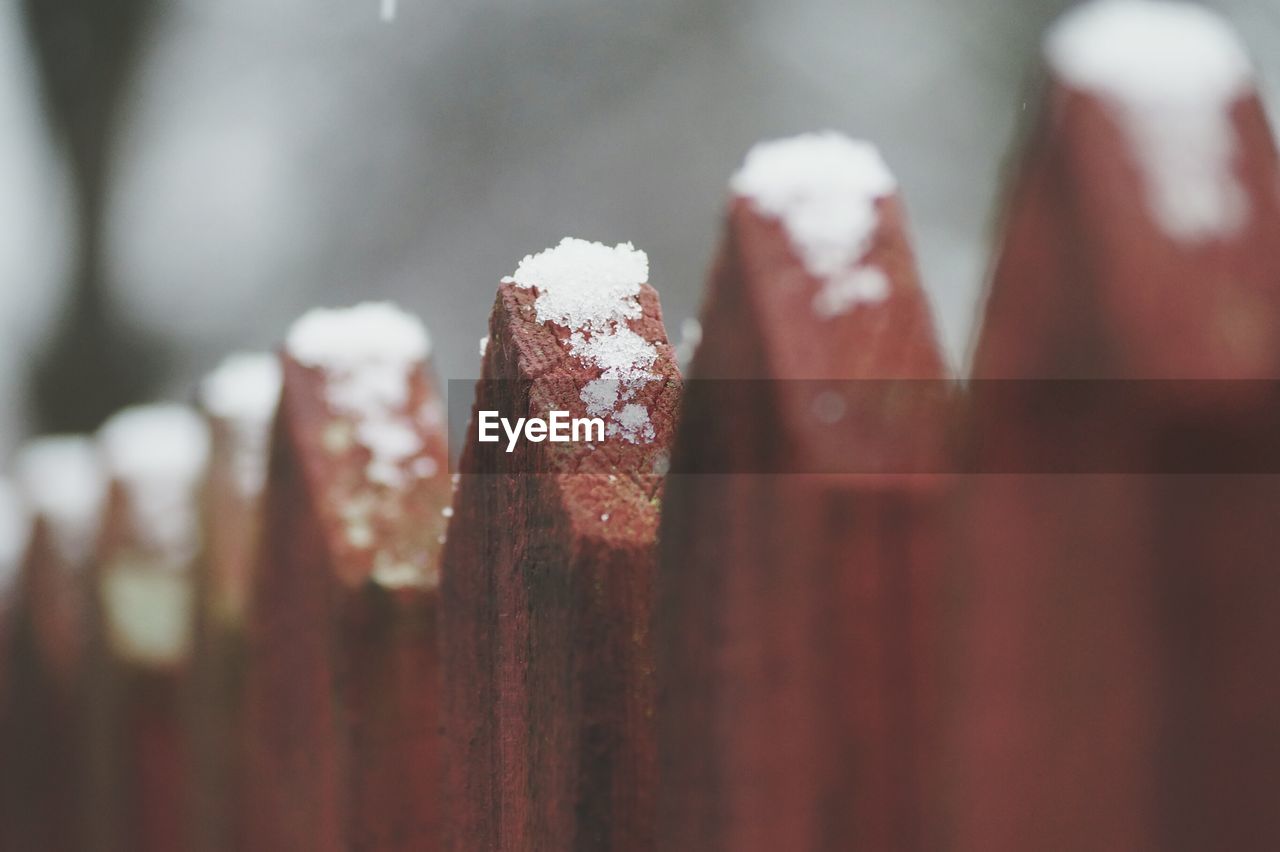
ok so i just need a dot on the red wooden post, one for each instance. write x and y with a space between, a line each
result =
342 685
61 481
1118 669
141 611
14 537
548 566
239 399
795 610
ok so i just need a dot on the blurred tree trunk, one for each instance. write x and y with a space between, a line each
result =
93 362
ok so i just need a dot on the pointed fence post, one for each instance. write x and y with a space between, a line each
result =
141 621
342 691
548 568
1118 662
15 533
61 481
802 521
239 398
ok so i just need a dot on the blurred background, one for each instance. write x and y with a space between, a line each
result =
179 178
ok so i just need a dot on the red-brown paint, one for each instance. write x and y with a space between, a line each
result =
342 687
1116 678
545 622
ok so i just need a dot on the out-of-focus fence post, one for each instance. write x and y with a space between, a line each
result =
141 601
342 676
239 399
796 591
1118 667
61 482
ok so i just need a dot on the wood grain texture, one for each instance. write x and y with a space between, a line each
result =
796 612
547 590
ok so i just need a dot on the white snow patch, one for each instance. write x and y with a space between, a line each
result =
150 614
62 480
425 467
244 391
1171 72
592 290
690 340
391 574
585 285
823 187
369 354
245 386
484 346
14 531
864 284
158 454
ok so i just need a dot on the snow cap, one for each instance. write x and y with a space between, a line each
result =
368 353
823 188
62 480
158 453
592 290
1170 72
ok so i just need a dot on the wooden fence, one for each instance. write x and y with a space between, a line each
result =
813 595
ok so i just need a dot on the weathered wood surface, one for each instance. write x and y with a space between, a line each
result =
547 592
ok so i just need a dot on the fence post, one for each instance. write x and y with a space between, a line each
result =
548 566
14 538
1118 660
342 679
141 623
795 596
239 400
61 482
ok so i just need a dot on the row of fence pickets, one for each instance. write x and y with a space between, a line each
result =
336 644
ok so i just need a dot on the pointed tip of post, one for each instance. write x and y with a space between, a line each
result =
584 312
15 529
1170 75
816 278
578 329
243 388
62 479
155 457
1144 210
366 424
1150 53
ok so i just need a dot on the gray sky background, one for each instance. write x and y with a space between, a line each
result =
281 154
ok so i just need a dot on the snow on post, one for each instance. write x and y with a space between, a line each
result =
61 483
795 611
1121 624
15 532
342 693
64 486
548 565
142 613
239 399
